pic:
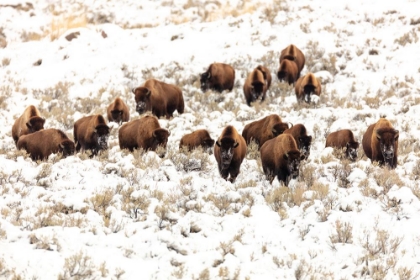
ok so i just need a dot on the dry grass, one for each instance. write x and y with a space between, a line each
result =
59 25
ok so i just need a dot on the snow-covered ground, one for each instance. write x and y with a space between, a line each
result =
124 215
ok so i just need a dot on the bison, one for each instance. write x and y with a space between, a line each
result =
159 97
91 133
306 86
280 157
198 138
144 133
294 54
118 111
264 129
343 139
257 84
218 77
288 72
43 143
298 131
380 143
29 122
230 151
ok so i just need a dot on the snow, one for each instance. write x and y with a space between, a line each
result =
162 221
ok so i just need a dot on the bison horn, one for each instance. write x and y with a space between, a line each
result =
169 133
235 144
28 124
148 92
209 75
218 143
291 125
61 145
133 90
154 134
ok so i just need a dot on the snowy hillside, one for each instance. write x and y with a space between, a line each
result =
122 215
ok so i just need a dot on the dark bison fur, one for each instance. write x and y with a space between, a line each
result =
343 139
118 111
198 138
91 133
298 131
218 77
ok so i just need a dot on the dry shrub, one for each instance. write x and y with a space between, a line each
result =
196 160
387 178
78 266
253 151
343 233
134 204
59 25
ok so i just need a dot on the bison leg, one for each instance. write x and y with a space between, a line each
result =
224 173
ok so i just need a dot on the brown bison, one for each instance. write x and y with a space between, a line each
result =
380 143
292 53
288 72
343 139
91 133
29 122
306 86
218 77
198 138
257 84
160 98
298 131
280 157
118 111
144 133
264 129
43 143
230 151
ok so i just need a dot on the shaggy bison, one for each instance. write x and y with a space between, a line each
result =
288 72
294 54
229 151
264 129
198 138
144 133
160 98
218 77
306 86
298 131
29 122
118 111
91 133
343 139
280 157
43 143
380 143
257 84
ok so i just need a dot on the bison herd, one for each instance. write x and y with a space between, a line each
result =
282 145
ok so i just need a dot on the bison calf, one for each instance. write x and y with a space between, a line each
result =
198 138
265 129
91 133
159 97
229 151
343 139
29 122
298 131
307 86
380 143
218 77
43 143
257 84
144 133
281 158
118 111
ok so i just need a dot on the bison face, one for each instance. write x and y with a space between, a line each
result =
388 140
279 128
142 98
159 141
293 159
305 145
227 146
101 136
207 145
351 150
66 148
35 124
308 90
117 116
204 81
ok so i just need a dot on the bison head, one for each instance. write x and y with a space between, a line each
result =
204 81
35 123
293 159
305 145
66 147
308 90
159 140
227 146
207 145
100 136
142 98
257 90
388 139
351 150
279 128
117 116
